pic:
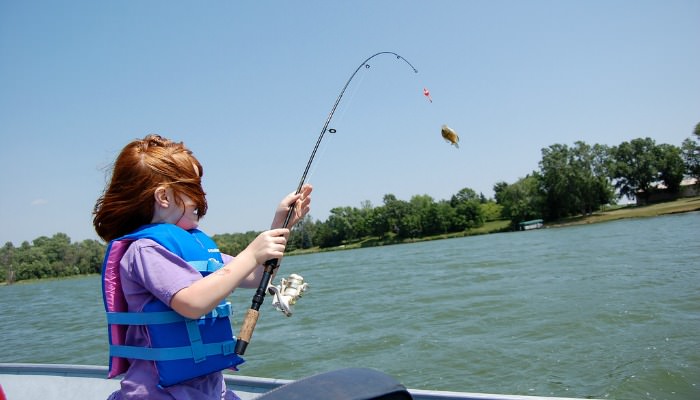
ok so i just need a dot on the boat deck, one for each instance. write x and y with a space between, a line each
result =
81 382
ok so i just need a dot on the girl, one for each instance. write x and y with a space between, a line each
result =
165 282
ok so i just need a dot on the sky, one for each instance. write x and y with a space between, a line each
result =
248 85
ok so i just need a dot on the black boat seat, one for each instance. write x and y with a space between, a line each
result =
342 384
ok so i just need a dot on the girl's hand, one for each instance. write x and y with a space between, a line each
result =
301 203
268 245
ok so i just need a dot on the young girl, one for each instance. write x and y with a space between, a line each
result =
165 282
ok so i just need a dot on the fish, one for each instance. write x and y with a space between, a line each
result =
450 136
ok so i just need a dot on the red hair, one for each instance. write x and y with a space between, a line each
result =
142 166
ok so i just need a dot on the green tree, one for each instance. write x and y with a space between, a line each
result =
339 225
558 180
499 191
396 216
302 234
522 200
468 212
591 168
424 209
446 216
635 167
32 262
234 243
491 211
690 152
671 166
574 179
377 222
90 254
7 262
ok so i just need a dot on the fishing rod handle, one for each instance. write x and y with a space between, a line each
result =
251 319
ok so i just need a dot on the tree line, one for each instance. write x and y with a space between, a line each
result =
50 258
580 179
571 180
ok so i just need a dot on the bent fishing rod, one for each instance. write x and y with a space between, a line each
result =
251 317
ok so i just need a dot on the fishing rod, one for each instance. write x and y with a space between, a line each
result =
251 317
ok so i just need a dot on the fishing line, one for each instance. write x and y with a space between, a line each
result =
251 317
351 97
338 122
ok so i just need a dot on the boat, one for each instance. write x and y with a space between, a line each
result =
529 225
21 381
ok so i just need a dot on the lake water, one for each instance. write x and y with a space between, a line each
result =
609 310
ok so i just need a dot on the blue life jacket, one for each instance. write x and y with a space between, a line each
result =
181 348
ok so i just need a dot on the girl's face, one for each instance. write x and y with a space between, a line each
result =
189 218
177 209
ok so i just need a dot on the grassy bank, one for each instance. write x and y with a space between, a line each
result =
610 214
632 211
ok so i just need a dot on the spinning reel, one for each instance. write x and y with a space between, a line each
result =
287 293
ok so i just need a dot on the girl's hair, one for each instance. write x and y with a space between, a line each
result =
142 166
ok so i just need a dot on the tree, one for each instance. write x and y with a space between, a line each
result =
635 167
396 216
90 254
446 216
302 234
424 210
491 211
574 179
690 152
557 183
522 200
468 212
377 222
498 191
343 224
671 167
7 260
639 166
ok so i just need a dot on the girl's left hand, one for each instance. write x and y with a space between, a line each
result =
301 202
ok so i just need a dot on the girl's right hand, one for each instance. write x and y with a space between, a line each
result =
268 245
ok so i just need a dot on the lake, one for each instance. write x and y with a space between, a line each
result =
608 310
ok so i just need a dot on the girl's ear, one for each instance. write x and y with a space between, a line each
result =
162 196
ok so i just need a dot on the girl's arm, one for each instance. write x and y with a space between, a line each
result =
246 269
302 204
205 294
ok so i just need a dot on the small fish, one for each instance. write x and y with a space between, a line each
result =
450 136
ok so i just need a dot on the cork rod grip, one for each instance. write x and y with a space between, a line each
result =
251 318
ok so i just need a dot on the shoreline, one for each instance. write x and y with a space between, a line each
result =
614 213
679 206
684 205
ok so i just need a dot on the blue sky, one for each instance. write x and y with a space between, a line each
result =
248 85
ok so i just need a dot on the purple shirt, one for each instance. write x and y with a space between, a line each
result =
149 271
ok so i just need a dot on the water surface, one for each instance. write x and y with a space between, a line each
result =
609 310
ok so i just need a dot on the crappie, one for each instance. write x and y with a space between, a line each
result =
450 135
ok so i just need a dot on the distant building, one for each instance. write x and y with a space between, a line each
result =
689 188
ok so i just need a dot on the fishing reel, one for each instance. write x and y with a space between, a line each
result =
287 293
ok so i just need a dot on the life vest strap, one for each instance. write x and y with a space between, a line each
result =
196 344
163 317
206 267
173 353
